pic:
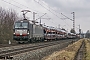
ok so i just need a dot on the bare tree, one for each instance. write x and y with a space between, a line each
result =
7 18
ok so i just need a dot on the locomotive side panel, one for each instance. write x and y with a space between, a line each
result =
38 32
30 30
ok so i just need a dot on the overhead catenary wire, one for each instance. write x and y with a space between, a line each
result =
66 17
48 9
56 22
11 4
28 7
56 11
18 6
59 13
51 12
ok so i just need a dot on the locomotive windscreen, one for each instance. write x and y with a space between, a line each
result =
21 25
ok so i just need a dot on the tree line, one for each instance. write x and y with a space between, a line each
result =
7 18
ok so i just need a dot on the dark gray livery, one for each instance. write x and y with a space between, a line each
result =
24 31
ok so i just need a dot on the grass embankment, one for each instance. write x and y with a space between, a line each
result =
87 49
66 54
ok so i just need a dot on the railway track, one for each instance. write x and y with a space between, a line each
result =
16 44
7 54
8 45
80 55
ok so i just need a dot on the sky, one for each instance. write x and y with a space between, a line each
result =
53 10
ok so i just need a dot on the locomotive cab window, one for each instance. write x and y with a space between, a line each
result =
21 25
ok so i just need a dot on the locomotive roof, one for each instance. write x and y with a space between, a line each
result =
22 21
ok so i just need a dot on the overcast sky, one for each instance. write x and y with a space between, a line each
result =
54 8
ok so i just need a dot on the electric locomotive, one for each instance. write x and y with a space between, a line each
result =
24 31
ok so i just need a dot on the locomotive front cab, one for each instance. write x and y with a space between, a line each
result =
21 31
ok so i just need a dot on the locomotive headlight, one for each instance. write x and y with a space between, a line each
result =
27 33
13 33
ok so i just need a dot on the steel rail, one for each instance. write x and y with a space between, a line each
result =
10 53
